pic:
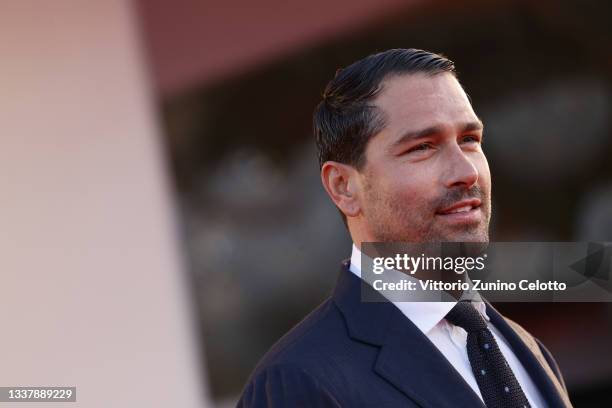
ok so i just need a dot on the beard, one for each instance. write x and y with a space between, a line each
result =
392 219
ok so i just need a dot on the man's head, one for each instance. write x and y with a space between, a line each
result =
400 151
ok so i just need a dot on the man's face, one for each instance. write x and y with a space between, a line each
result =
426 178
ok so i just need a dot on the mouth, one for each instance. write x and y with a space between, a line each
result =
464 211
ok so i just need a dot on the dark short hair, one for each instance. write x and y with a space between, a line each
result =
345 120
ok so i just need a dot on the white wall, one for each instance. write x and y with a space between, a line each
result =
92 293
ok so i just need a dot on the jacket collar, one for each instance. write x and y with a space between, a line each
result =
407 359
410 361
424 315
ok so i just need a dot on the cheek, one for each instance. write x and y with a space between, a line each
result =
403 187
415 190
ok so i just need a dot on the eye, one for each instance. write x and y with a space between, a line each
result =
470 139
422 147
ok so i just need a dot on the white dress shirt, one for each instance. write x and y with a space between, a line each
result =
451 339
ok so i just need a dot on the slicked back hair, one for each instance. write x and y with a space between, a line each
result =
346 119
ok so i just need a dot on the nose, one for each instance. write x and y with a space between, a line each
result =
460 170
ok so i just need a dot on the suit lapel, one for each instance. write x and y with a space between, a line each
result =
407 358
528 352
411 362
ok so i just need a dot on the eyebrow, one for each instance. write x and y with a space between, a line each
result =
432 130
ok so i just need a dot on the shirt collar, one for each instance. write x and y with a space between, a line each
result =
424 315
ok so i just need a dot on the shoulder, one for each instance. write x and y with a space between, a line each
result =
320 334
299 368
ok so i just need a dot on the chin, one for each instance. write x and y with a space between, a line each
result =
474 235
483 237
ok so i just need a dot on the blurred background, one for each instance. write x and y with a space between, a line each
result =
193 145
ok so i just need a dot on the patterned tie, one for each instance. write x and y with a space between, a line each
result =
497 383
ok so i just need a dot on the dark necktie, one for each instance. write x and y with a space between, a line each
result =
497 383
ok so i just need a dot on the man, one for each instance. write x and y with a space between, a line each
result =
400 154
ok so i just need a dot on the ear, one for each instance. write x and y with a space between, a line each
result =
341 181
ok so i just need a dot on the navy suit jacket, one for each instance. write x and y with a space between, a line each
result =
349 353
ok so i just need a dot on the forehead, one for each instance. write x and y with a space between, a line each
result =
416 101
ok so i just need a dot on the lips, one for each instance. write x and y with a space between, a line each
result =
461 207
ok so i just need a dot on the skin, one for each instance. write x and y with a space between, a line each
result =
427 158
